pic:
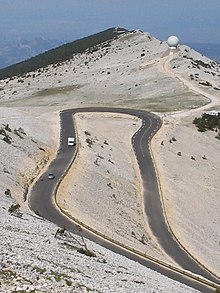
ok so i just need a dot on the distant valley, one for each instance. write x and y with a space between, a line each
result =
17 51
209 50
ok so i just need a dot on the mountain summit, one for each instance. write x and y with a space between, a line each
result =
113 67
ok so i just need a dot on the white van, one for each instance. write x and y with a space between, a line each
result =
71 141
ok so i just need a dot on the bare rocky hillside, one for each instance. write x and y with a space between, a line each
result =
135 71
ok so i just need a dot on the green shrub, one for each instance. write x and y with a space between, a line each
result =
59 276
39 270
68 282
207 122
13 208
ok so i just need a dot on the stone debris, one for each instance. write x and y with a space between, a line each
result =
32 259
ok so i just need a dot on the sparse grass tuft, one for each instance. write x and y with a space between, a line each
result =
39 270
86 252
59 276
68 282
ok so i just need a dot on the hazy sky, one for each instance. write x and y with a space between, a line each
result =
190 20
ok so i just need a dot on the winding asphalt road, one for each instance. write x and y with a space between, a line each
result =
42 198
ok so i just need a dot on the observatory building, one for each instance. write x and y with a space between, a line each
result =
173 42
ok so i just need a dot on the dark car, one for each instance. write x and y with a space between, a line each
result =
50 176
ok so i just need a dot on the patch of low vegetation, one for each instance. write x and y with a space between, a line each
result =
57 90
59 276
68 282
13 208
7 274
9 277
164 103
208 122
39 270
86 252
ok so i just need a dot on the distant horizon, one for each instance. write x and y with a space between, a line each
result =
192 21
32 38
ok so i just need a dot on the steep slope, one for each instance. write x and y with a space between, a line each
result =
61 53
37 257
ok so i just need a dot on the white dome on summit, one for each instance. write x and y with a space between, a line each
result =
173 42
